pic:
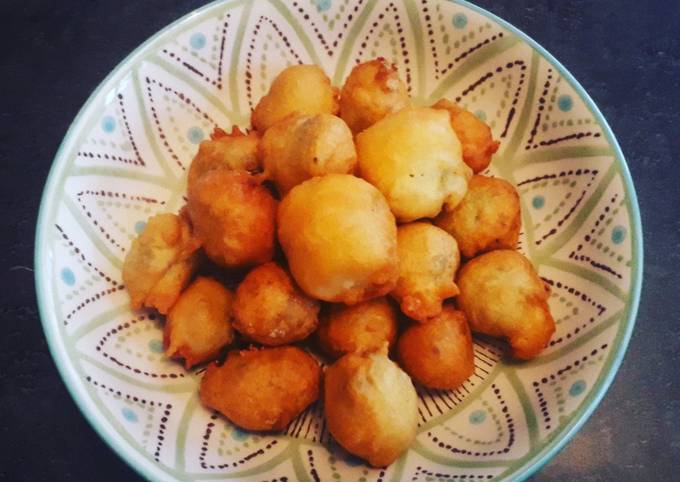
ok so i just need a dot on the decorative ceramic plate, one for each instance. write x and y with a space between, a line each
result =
125 158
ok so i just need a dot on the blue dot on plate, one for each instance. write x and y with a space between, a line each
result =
156 346
68 277
323 5
195 135
577 388
477 417
565 103
239 435
459 20
538 202
139 227
618 234
129 415
197 40
108 124
481 115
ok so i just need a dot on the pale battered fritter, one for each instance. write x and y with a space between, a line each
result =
262 389
198 326
271 310
340 239
502 295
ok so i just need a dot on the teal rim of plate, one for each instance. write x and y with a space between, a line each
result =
148 470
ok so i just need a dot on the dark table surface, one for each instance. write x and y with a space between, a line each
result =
625 53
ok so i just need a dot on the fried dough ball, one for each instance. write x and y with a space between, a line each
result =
366 326
303 146
438 353
198 325
262 389
475 136
372 91
487 218
160 262
502 295
234 216
235 150
428 261
340 239
304 89
414 158
371 407
271 310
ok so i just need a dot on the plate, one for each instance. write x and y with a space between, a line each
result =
125 158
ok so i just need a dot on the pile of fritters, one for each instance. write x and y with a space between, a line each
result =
393 249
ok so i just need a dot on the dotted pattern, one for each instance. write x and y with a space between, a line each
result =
396 23
115 286
489 75
542 402
420 471
601 309
563 174
160 437
137 161
150 83
329 48
204 449
251 48
111 195
440 71
217 81
101 344
590 238
509 423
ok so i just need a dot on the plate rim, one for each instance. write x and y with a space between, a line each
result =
151 471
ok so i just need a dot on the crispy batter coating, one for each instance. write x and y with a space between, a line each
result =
475 136
198 326
414 158
371 407
234 216
160 262
502 295
302 89
372 91
340 239
271 310
303 146
262 389
488 218
235 150
366 326
428 261
438 353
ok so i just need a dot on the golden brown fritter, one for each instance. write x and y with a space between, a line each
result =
372 91
366 326
234 216
371 407
502 295
235 150
262 389
271 310
303 146
428 261
438 353
487 218
160 262
198 326
340 239
302 89
475 136
414 158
